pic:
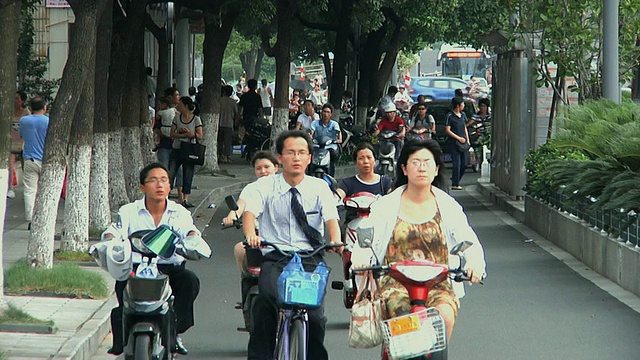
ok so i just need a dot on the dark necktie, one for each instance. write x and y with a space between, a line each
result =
313 235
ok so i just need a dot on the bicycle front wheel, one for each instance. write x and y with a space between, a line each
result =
297 340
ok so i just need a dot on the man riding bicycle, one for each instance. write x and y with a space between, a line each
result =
274 201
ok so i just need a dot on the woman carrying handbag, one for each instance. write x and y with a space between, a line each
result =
186 128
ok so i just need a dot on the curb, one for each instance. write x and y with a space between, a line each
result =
501 200
88 338
28 328
199 211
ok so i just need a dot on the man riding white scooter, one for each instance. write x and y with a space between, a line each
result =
148 213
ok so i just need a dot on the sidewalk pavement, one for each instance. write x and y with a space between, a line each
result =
83 324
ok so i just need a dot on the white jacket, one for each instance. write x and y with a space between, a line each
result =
455 226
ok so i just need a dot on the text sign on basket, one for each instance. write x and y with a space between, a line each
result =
404 325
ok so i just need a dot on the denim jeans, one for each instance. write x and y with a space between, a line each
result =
175 162
163 158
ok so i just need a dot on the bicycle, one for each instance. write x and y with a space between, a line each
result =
293 319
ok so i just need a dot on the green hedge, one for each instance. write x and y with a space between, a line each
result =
595 153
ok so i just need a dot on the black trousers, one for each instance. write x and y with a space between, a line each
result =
333 154
265 314
185 287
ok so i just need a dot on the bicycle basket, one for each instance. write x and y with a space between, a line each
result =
298 287
414 334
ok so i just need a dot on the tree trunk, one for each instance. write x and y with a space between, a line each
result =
147 138
257 67
99 213
75 236
40 248
281 52
252 62
121 46
131 147
217 31
10 30
326 61
160 34
340 53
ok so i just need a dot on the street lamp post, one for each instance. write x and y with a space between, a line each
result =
610 73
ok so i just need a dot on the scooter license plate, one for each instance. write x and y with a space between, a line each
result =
446 157
404 325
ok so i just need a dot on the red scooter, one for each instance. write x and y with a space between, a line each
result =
422 331
360 203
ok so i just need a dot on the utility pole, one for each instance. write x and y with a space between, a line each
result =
610 71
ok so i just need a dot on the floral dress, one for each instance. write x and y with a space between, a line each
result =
416 242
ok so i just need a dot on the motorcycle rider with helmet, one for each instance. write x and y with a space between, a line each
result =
393 123
153 210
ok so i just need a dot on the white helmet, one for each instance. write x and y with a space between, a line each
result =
388 106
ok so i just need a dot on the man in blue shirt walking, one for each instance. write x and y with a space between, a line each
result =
33 130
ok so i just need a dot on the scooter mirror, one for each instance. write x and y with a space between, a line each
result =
460 247
231 203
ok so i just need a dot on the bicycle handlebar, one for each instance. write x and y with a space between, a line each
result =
302 253
236 224
456 274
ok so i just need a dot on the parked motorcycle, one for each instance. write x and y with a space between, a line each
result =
257 137
386 163
360 203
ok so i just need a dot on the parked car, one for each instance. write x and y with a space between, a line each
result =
435 88
439 109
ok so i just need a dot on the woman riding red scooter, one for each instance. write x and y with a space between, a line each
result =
420 221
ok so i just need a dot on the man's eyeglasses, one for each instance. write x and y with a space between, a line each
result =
163 180
422 109
291 153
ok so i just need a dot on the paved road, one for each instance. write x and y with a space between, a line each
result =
533 305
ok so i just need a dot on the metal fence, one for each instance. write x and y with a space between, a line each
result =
619 224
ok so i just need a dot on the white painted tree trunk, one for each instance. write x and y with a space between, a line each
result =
210 128
99 213
4 174
75 236
131 160
280 124
41 246
147 143
117 189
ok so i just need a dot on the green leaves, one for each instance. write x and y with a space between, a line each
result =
596 153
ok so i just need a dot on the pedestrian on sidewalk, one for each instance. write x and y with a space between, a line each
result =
33 130
19 111
187 127
456 128
229 113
